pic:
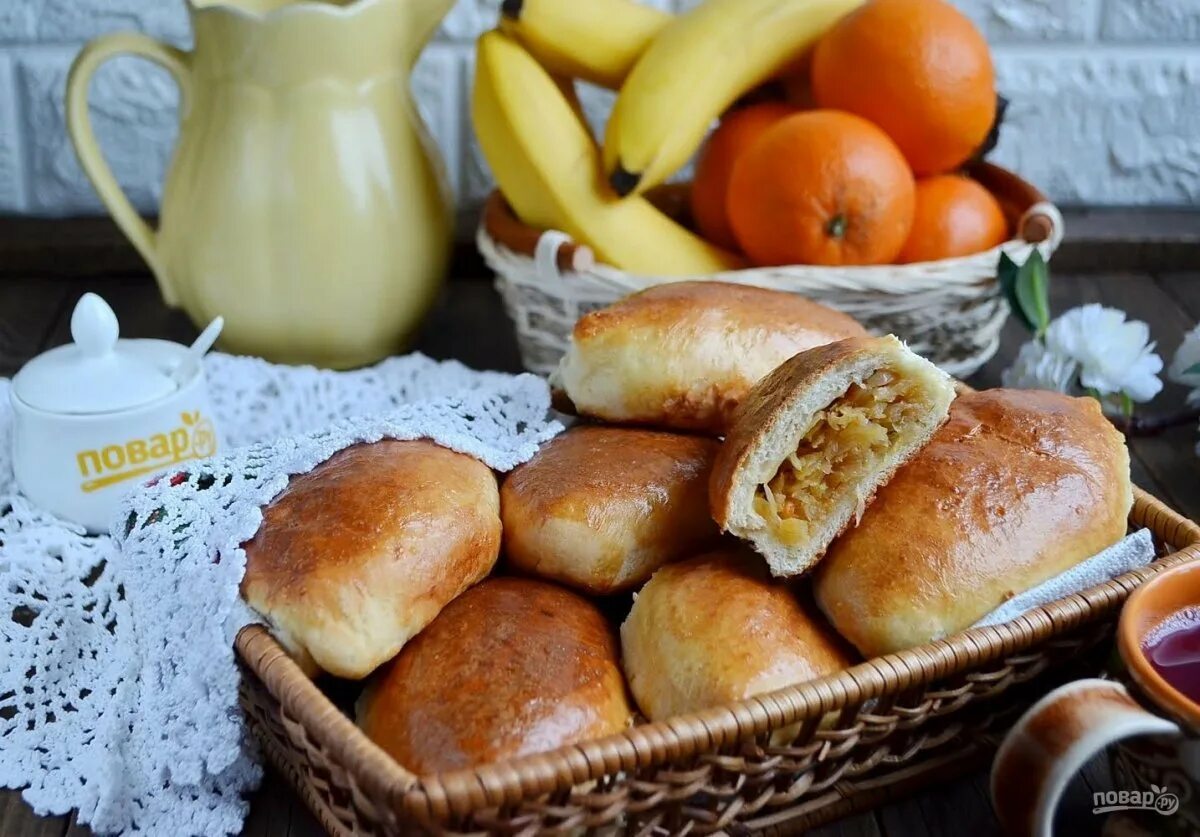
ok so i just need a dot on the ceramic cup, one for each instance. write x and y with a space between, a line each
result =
1156 729
79 466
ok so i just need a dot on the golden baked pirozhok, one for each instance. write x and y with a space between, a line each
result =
511 667
814 440
1017 487
357 555
601 508
682 355
718 628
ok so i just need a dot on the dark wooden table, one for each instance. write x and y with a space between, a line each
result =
469 324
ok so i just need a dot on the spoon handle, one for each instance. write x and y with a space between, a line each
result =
197 350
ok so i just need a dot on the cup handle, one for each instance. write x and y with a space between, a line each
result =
1053 740
79 125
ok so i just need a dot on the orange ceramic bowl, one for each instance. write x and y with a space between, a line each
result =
1149 606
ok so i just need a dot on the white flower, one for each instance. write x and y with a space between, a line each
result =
1114 356
1187 356
1036 367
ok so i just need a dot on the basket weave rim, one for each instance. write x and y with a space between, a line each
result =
1036 221
437 797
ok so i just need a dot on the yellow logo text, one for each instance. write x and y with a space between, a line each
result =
195 438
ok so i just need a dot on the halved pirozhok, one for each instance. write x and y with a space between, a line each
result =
814 440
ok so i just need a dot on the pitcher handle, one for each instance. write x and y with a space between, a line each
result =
79 125
1053 740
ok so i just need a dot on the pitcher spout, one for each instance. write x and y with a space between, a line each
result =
268 10
419 17
424 17
279 42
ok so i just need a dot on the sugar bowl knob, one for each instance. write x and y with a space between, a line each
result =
94 326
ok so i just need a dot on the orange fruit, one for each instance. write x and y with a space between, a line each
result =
821 187
737 131
920 70
955 216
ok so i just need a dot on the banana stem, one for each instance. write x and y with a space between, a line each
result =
623 182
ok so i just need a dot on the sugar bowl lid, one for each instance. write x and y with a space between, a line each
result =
97 373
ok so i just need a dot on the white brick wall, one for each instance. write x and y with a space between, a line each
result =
12 192
1105 98
1035 20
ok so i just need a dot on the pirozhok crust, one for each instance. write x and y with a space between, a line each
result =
788 404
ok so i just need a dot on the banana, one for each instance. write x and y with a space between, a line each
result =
695 68
594 40
547 165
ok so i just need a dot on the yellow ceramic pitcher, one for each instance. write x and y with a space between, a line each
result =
305 202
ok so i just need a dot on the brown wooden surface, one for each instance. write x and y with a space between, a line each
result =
469 324
1109 239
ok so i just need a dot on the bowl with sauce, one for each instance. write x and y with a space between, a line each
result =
1150 717
1158 637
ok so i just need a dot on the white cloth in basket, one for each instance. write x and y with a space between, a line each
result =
118 685
1128 554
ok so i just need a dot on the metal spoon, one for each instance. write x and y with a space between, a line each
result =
200 346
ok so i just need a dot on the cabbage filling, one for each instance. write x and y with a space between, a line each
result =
845 444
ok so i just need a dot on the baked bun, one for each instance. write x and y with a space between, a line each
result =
814 440
716 629
682 355
360 553
511 667
601 508
1015 488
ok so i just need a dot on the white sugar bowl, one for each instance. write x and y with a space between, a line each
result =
98 416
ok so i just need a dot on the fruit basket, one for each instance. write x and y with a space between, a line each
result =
951 311
853 740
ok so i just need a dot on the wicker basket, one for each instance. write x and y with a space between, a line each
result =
951 311
902 720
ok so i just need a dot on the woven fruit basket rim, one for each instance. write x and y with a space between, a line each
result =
951 310
378 790
1032 216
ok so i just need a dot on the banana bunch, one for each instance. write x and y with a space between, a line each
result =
593 40
697 67
548 166
675 76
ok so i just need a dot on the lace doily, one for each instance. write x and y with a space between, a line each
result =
118 685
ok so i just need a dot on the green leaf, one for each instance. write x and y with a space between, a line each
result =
1007 271
1126 405
1194 369
1033 292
